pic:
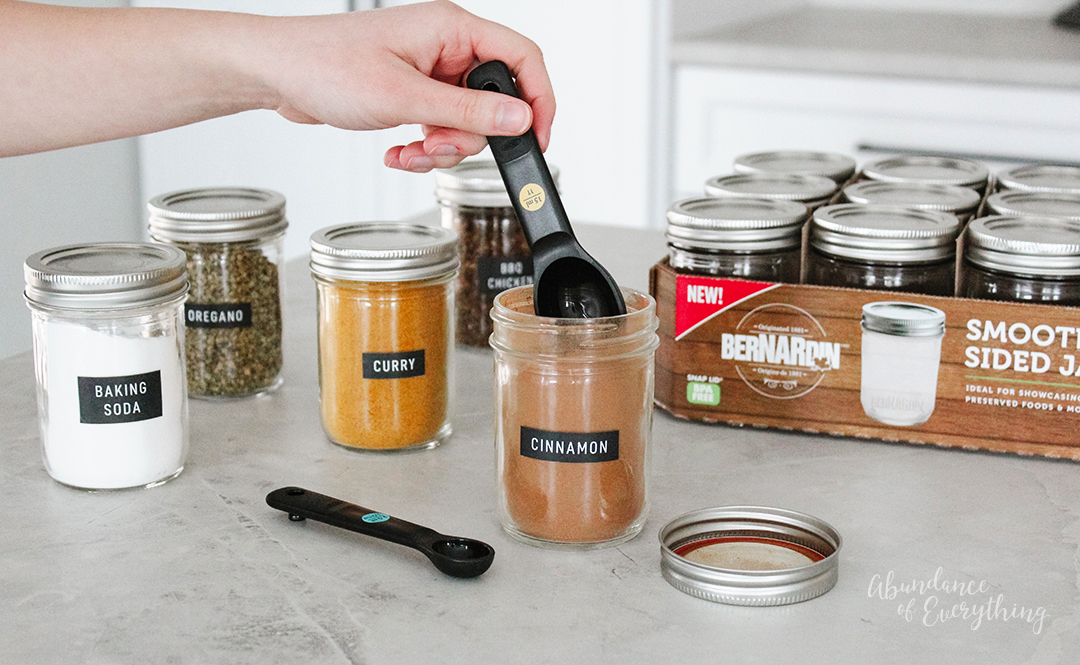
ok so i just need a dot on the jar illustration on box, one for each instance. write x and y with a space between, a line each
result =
901 351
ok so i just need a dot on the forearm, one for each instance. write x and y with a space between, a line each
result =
70 76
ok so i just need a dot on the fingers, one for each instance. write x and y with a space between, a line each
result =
442 148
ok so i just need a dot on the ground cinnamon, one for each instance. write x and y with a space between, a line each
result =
574 404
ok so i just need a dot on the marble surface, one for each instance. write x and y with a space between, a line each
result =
1015 50
201 570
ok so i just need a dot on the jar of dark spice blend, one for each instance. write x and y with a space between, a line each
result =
233 238
883 248
573 404
386 333
109 361
748 238
492 249
1022 259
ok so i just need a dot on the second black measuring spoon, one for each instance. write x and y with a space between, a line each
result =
567 282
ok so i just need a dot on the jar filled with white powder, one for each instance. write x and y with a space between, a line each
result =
109 360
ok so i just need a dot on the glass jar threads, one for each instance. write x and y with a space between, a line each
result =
573 399
492 249
813 191
108 356
886 248
900 356
1022 259
748 238
930 169
960 201
1041 178
233 238
385 300
805 162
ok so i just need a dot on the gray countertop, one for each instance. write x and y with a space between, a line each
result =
1015 50
200 570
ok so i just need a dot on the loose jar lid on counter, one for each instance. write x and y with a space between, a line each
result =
383 251
903 319
105 276
804 162
217 214
735 224
929 169
750 555
476 183
1041 178
1041 246
1016 203
884 233
921 195
808 189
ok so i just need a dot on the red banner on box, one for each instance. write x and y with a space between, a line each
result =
701 298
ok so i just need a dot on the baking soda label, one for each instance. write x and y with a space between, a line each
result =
105 400
220 315
572 447
400 365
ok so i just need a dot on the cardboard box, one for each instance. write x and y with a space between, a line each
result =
791 356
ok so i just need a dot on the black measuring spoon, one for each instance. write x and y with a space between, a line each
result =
567 282
459 557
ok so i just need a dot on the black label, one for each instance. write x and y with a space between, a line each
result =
496 274
105 400
402 365
569 446
224 315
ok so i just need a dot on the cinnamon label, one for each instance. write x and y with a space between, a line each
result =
569 447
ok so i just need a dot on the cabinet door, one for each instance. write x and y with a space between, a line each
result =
721 113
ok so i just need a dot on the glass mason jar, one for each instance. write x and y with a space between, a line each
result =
960 201
802 162
813 191
1054 178
1017 203
233 238
747 238
385 300
929 169
492 249
883 248
1022 259
109 361
573 399
900 356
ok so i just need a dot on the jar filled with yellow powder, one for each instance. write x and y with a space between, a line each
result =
386 331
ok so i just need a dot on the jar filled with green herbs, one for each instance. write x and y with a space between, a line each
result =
234 241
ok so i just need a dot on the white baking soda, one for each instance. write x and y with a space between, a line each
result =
127 426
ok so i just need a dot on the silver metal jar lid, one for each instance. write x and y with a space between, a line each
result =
383 252
807 162
786 186
217 214
1016 203
892 234
930 169
1041 178
1040 246
96 276
735 224
476 183
750 555
921 195
903 319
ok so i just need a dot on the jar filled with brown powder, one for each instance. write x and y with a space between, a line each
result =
386 332
573 404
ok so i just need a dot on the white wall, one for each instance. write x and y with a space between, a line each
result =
75 195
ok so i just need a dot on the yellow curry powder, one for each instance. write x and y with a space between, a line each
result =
393 328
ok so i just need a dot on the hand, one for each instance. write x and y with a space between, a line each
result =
407 65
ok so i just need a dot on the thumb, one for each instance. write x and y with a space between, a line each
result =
426 101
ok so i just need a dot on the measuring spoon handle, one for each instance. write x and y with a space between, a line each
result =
301 503
522 165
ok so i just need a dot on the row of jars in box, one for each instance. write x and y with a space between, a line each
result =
807 217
